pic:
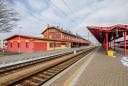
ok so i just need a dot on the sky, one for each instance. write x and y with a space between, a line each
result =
74 15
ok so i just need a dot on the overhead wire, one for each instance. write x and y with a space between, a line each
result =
71 11
60 10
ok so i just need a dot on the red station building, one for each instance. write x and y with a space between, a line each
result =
109 33
25 43
52 38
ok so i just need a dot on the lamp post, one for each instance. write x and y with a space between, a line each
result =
19 41
54 45
87 36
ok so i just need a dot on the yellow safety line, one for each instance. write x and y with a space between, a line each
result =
69 81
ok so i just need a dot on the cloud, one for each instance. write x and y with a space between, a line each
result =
49 15
20 8
109 13
72 14
59 4
37 4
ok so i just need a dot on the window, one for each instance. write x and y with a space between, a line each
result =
18 44
11 45
51 45
27 45
54 44
5 43
58 44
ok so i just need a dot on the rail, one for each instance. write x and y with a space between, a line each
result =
37 74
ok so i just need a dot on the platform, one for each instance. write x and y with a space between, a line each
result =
29 56
95 69
119 52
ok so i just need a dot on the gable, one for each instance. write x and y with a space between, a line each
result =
51 30
17 38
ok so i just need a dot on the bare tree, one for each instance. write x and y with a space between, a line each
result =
7 16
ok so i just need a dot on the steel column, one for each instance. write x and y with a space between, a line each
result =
125 43
106 41
110 44
114 45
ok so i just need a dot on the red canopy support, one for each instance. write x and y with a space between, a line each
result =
104 45
114 45
107 32
125 43
106 41
110 44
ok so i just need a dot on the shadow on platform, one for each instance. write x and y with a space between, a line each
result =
118 52
101 51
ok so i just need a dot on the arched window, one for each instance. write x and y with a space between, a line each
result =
27 43
18 44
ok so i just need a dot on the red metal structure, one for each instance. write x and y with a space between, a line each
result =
106 34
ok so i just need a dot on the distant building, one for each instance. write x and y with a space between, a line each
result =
52 38
3 44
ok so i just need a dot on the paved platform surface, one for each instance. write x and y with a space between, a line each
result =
120 51
100 70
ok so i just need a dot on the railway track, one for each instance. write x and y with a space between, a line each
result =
35 74
16 66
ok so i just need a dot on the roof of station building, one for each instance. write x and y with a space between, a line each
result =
114 32
59 29
39 38
25 36
64 31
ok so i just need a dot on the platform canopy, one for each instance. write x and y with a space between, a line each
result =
108 33
114 32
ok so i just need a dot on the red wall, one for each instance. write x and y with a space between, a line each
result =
33 45
22 44
40 46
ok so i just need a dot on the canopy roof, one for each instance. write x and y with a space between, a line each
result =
114 32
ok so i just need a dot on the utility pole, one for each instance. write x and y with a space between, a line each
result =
19 41
88 36
54 45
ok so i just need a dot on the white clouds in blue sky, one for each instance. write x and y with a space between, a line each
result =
37 4
74 15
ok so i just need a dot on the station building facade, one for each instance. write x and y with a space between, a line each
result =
52 38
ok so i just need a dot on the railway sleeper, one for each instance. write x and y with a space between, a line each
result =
37 78
55 69
48 73
29 83
45 75
51 71
40 76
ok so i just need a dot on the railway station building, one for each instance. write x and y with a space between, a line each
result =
52 38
